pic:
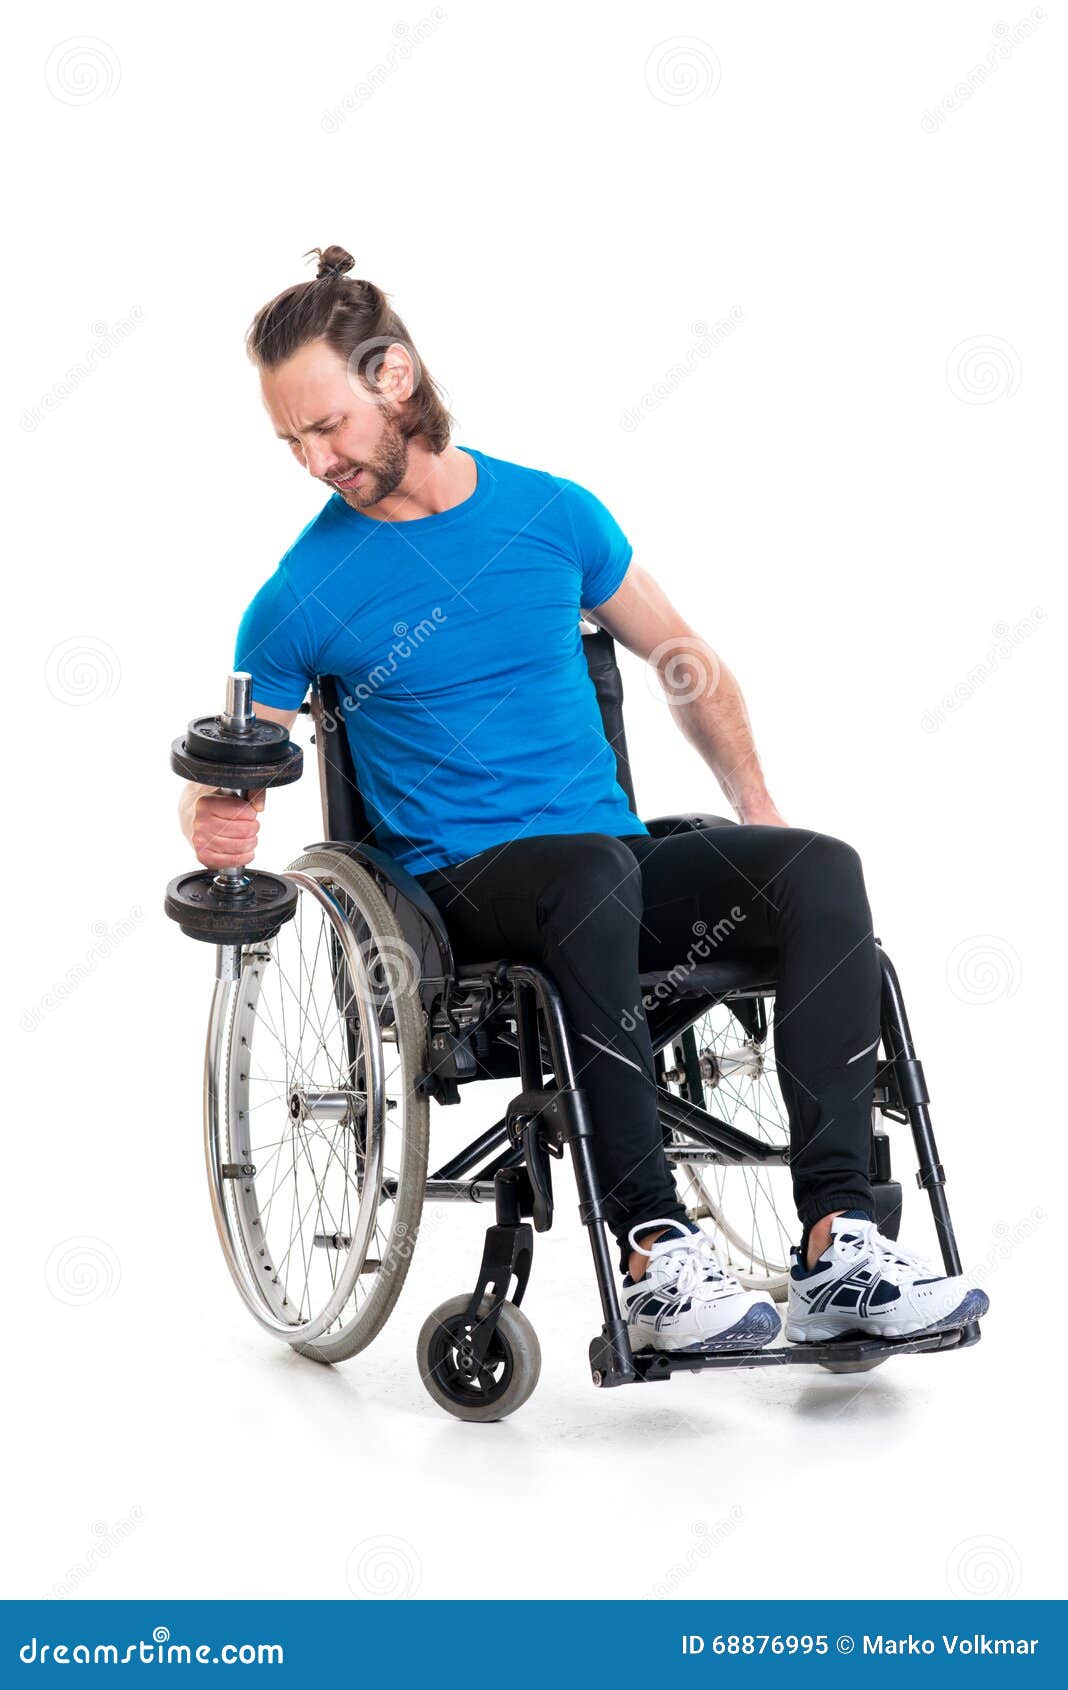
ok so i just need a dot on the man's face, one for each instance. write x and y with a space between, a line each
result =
343 435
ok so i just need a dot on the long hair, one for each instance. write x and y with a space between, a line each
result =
357 322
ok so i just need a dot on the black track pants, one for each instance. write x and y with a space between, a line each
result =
594 912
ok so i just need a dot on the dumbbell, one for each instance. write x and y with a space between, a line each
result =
239 753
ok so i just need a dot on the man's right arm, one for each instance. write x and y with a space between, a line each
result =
221 827
275 644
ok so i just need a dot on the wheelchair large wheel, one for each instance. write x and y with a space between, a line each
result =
316 1137
725 1063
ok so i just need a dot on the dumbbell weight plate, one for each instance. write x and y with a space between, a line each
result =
261 742
206 911
222 769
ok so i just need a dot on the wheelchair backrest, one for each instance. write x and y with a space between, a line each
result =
344 815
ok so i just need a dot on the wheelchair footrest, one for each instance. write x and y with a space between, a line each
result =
839 1353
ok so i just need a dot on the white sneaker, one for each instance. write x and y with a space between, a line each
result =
686 1299
866 1283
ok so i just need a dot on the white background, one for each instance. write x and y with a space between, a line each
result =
854 507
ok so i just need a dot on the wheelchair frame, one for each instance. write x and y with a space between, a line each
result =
506 1018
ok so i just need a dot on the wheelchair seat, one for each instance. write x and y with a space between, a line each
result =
713 979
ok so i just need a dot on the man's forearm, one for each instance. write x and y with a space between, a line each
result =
706 702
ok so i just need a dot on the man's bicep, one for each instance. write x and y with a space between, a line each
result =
271 713
640 615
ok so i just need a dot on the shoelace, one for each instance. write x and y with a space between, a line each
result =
699 1270
890 1259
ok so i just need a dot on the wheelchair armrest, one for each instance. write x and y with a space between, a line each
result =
661 826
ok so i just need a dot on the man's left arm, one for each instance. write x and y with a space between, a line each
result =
702 694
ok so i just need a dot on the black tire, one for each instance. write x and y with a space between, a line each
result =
502 1386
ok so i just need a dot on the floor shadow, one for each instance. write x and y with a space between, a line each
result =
855 1397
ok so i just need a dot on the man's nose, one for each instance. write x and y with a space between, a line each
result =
318 458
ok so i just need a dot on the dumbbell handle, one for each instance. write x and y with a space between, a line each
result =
238 718
238 713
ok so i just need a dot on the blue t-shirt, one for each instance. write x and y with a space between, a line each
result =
455 638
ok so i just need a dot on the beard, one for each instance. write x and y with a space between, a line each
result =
384 471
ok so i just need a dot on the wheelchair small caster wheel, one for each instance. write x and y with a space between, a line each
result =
458 1381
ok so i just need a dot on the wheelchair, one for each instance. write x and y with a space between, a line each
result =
328 1044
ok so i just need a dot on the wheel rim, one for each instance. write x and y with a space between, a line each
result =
750 1208
306 1087
458 1375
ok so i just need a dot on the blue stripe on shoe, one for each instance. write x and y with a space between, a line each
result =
846 1298
650 1305
886 1293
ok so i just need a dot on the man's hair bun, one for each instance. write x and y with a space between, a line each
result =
334 262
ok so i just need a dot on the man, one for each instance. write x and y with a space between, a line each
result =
485 771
